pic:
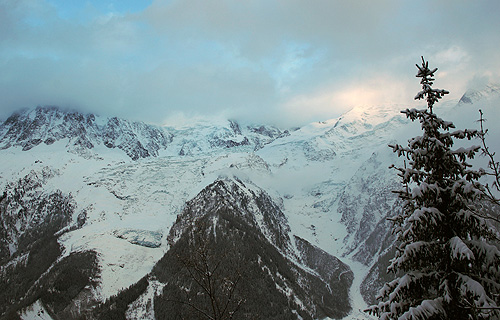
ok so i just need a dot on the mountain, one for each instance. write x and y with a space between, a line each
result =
131 213
28 212
81 132
274 276
33 264
104 217
475 95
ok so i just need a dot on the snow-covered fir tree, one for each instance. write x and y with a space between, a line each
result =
447 263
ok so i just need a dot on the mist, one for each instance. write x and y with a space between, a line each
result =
286 63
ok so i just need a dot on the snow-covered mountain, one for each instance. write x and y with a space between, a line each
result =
81 132
471 96
113 204
279 276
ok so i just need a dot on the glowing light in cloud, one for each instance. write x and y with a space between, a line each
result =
281 61
330 102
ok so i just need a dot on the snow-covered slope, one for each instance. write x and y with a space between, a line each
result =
127 183
30 128
130 206
473 96
238 228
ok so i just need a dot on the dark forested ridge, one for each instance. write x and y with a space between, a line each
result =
261 282
32 266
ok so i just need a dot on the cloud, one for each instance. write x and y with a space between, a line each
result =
329 101
283 61
258 28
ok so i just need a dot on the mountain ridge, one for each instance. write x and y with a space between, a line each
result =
235 228
330 181
29 128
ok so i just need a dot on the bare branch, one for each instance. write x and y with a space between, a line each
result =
492 164
194 307
206 266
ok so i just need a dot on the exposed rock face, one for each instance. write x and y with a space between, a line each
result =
377 276
30 128
206 138
471 96
242 232
32 266
27 212
83 132
330 270
364 204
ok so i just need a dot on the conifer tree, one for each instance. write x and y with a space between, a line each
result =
447 264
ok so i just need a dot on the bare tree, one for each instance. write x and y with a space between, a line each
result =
493 166
215 278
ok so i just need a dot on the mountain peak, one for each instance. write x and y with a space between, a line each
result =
473 95
81 132
238 227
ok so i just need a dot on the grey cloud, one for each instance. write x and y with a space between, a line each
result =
253 58
259 27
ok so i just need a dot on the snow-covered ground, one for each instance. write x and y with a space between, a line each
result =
35 312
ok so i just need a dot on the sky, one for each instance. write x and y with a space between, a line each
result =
282 62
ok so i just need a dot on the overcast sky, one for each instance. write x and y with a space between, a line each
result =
286 62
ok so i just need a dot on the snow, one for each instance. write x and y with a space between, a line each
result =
146 238
425 310
459 249
358 304
122 262
470 287
35 312
143 308
307 169
21 259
